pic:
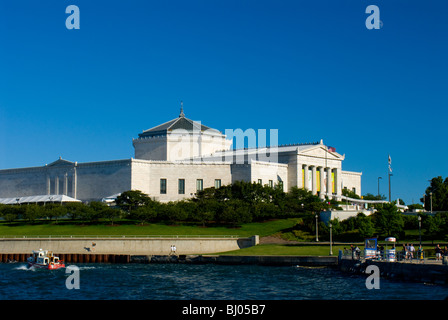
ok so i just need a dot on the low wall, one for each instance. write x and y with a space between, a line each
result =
301 261
130 246
341 215
417 272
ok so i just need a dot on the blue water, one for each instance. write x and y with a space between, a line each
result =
202 282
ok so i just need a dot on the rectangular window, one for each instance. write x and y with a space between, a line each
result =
181 186
271 183
217 183
260 181
199 185
162 186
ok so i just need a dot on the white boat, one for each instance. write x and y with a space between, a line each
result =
45 259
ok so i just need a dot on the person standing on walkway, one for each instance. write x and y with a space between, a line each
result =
411 251
438 252
404 252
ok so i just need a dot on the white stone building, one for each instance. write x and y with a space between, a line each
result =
176 159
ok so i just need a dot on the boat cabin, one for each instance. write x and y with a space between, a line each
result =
44 257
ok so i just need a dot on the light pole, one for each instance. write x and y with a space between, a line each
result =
430 197
390 174
420 229
317 228
331 240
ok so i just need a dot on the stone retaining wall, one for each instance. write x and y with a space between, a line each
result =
130 246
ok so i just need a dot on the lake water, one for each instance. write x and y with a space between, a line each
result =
202 282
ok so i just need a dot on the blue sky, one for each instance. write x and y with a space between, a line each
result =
310 69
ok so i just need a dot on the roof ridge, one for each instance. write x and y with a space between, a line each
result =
159 125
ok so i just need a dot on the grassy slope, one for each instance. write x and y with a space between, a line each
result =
127 228
282 249
122 228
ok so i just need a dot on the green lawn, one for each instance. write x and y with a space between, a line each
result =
286 249
126 227
130 228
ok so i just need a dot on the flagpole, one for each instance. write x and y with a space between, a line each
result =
389 187
389 171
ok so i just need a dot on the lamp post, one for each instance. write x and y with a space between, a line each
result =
331 241
420 230
390 175
317 228
430 197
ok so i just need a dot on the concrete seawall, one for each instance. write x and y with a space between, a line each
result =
302 261
73 258
415 272
127 245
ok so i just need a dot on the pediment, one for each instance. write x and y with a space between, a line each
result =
321 151
61 162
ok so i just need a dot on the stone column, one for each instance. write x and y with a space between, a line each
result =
56 185
337 183
74 182
322 183
305 169
299 182
314 180
329 193
65 184
48 182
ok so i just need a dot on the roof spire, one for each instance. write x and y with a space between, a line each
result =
181 115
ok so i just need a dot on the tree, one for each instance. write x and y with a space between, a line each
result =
204 216
94 211
336 228
111 214
10 212
264 211
370 196
234 212
74 209
365 225
144 213
32 212
350 194
302 200
54 210
132 199
174 212
389 220
438 192
434 226
205 210
413 206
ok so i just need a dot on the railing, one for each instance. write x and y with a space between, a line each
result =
411 257
176 236
400 256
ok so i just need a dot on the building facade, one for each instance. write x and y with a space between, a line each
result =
177 158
